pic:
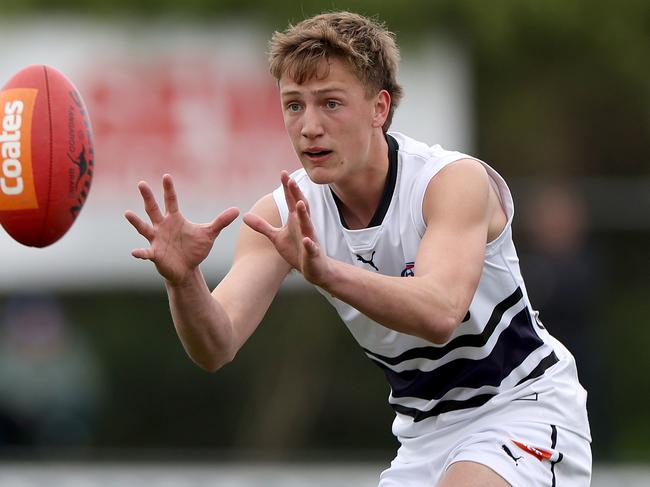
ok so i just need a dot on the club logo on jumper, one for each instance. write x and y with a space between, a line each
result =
369 262
511 455
408 270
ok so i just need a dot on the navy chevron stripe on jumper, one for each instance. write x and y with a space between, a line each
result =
514 344
472 402
475 340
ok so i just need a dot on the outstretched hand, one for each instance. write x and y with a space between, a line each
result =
296 241
176 245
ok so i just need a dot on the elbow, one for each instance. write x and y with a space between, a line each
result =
210 366
441 329
213 363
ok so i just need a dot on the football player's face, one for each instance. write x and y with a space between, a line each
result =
330 120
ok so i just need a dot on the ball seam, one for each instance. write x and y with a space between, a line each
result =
49 185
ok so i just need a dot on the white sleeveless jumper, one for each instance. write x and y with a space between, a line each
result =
498 354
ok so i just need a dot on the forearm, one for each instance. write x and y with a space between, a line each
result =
415 305
202 324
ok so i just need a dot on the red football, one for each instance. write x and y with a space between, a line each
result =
46 151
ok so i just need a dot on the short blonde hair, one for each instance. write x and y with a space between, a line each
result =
363 43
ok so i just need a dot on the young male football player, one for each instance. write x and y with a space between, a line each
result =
412 245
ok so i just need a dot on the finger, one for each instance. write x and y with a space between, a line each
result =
311 247
150 205
306 227
297 193
224 219
288 196
145 254
140 225
260 225
171 200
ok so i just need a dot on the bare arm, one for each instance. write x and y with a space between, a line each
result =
255 276
214 326
211 327
448 263
458 212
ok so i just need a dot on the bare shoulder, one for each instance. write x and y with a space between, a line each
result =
255 276
461 185
461 173
266 208
257 269
461 193
250 240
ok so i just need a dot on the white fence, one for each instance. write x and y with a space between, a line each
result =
243 475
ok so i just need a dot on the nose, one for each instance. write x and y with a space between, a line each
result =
311 123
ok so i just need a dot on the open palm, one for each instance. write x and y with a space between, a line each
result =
296 241
176 245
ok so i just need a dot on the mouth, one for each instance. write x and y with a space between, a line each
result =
317 153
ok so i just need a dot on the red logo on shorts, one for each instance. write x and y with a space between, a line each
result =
539 453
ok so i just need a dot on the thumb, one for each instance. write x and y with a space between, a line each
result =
311 247
224 219
260 225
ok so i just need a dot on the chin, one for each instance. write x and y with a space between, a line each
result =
320 175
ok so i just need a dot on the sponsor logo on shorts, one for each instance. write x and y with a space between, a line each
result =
511 455
539 453
16 177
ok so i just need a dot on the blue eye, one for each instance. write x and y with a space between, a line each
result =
333 104
293 107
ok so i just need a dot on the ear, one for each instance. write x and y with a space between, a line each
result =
381 108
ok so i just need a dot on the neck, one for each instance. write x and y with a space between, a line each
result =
360 193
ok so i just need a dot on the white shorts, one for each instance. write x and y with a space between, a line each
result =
540 440
524 454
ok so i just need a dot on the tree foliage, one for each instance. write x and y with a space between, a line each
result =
561 88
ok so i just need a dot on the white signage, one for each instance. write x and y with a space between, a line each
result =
198 104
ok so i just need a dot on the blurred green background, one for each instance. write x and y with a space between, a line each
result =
561 97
